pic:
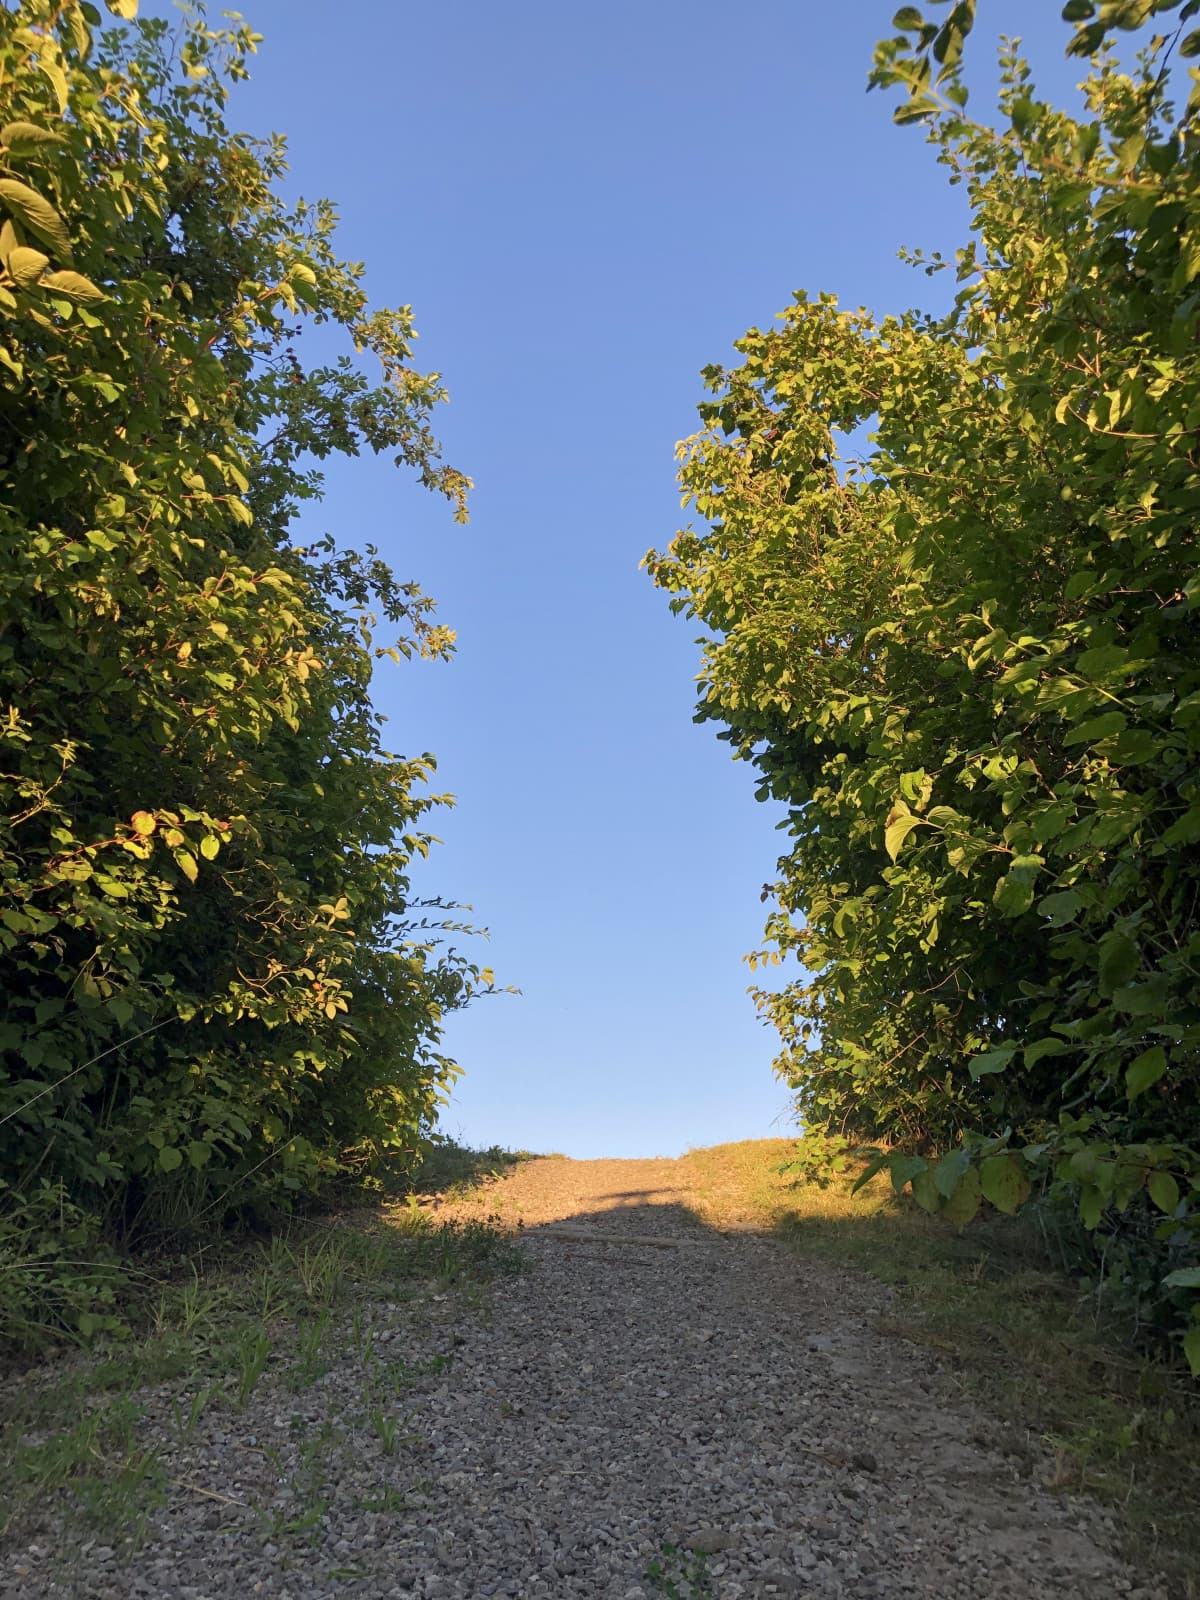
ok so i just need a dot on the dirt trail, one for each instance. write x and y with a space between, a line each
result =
657 1406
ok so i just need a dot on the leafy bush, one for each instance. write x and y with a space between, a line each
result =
214 986
969 662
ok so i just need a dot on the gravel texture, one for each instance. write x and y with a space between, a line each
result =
653 1408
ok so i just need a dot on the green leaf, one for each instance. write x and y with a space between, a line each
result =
1141 999
1101 662
1013 895
1145 1071
900 824
1191 1339
1183 1278
1088 40
1119 960
199 1152
1004 1183
1096 728
925 1192
991 1061
1164 1191
169 1158
1061 907
905 1169
36 214
1091 1206
1186 830
1041 1048
949 1170
1135 746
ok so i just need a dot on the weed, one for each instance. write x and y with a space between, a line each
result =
387 1498
251 1351
680 1574
363 1336
97 1462
277 1523
184 1423
310 1361
67 1449
385 1428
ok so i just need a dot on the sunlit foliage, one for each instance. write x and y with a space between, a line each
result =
969 662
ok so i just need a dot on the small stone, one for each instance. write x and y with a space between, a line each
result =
708 1541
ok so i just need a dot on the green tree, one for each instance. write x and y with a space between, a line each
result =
968 661
214 986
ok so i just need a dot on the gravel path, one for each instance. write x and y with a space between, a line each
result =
653 1408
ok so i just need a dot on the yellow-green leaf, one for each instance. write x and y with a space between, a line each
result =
1164 1191
37 214
187 865
1004 1183
1147 1069
964 1202
26 138
925 1191
74 285
52 67
26 265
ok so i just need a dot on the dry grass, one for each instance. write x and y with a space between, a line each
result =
1025 1340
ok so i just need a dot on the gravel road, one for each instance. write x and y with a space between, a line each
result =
655 1407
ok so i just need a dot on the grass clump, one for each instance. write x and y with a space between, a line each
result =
451 1171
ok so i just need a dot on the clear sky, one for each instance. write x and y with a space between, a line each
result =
586 203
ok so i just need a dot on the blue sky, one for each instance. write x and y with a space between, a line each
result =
585 204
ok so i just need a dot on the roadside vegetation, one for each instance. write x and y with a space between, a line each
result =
220 1002
1026 1323
93 1438
947 567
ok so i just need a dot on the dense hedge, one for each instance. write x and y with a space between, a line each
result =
213 986
969 662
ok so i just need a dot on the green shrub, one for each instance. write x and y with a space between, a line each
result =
969 663
215 989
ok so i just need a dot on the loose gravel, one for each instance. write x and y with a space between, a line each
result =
654 1407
